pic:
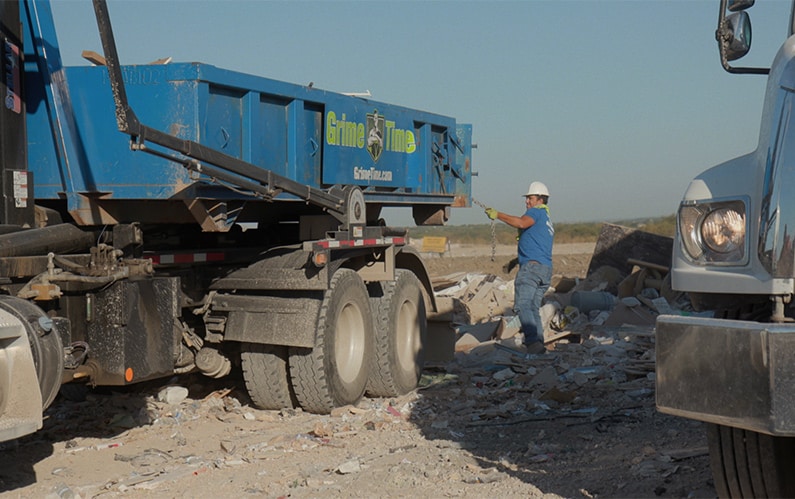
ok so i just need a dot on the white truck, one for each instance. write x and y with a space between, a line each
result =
734 253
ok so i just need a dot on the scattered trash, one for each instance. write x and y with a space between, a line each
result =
172 395
62 491
600 372
123 421
349 467
109 445
585 301
504 374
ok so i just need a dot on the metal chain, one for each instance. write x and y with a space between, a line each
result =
493 231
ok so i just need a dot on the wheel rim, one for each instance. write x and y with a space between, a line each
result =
350 340
407 335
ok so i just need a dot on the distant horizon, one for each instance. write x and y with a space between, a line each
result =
394 214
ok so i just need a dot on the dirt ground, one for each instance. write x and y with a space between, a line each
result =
568 425
571 260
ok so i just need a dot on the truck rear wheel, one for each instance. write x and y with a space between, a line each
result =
400 329
334 373
750 464
266 376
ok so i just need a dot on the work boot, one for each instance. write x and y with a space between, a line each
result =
535 348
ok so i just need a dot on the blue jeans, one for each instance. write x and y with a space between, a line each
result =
531 282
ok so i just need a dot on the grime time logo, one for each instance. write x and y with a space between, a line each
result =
376 134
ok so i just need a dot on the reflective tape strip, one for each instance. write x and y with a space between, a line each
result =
353 243
182 258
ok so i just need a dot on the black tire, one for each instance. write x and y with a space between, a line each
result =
400 330
750 464
266 376
334 373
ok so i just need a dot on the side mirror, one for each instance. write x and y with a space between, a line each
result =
738 5
738 33
734 35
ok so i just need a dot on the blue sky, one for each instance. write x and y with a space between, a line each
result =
615 105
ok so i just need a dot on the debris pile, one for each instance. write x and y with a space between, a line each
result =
623 291
600 333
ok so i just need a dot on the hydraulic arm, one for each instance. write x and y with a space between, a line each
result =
345 204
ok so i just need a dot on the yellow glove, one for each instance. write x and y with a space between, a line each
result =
491 213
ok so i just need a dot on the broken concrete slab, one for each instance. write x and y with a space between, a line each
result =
482 332
604 278
466 342
623 314
546 378
617 244
172 395
662 306
563 284
507 329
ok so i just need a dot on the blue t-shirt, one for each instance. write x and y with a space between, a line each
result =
535 243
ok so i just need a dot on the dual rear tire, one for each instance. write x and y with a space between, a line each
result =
364 341
266 376
334 373
401 327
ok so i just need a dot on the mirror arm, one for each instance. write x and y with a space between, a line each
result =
722 36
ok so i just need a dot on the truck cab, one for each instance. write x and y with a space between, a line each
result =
734 254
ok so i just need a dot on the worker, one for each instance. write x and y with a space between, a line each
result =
536 233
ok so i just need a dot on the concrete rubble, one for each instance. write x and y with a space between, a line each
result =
629 295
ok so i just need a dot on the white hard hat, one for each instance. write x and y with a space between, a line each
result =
537 189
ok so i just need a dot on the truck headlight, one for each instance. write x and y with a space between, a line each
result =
713 233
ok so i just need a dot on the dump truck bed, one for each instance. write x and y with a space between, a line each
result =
398 156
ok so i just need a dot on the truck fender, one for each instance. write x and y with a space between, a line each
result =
409 258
